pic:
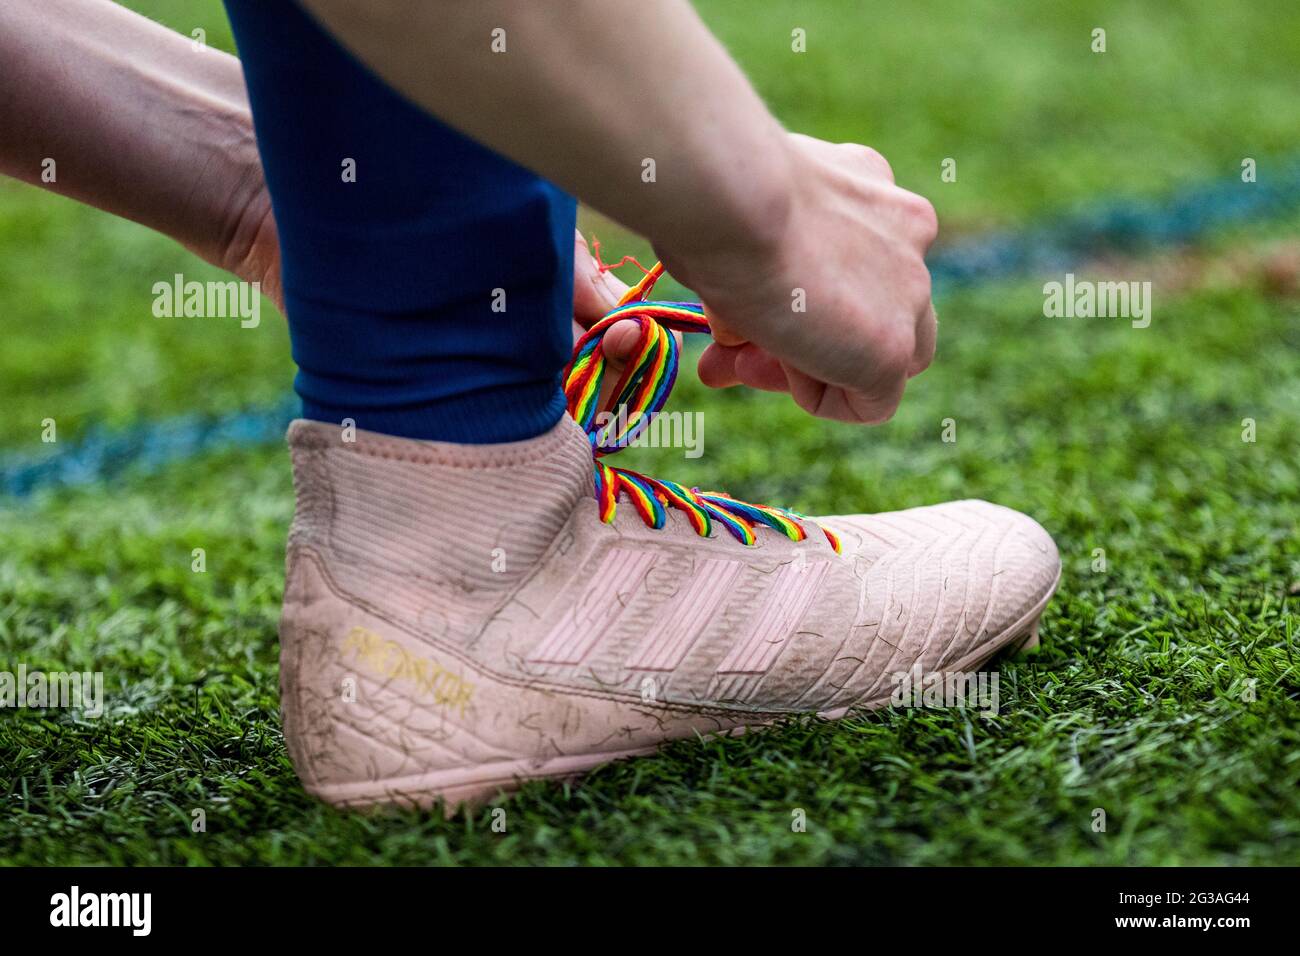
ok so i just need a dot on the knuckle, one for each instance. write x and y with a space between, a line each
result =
873 159
880 164
920 213
917 284
928 222
922 362
900 357
883 410
891 357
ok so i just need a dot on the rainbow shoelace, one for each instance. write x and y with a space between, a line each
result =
640 394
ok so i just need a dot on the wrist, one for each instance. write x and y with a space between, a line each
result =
240 234
744 219
230 191
731 268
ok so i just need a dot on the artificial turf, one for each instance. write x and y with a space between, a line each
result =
1165 692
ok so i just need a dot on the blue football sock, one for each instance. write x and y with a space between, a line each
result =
428 281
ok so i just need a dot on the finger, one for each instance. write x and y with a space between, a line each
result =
845 405
927 335
717 366
594 292
874 409
759 369
620 341
806 391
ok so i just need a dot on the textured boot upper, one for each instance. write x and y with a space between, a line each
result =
497 553
438 530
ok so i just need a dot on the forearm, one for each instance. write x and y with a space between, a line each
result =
585 92
136 120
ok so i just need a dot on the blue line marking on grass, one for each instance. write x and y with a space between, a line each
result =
149 445
1122 225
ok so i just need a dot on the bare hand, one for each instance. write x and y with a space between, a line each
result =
851 251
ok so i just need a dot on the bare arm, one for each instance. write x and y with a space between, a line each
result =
141 124
137 122
587 90
584 92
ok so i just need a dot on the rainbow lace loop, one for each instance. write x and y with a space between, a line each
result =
642 392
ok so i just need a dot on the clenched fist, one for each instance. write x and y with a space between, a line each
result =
831 302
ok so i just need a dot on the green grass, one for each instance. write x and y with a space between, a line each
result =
1115 438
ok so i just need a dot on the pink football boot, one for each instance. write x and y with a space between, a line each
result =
460 618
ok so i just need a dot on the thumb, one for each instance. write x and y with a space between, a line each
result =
594 292
620 341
